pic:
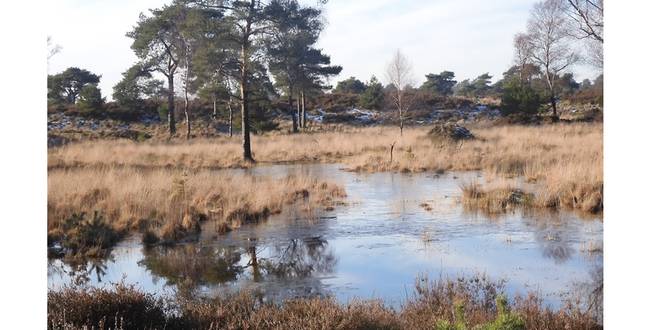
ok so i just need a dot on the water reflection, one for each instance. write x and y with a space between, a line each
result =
554 241
301 258
194 263
207 265
363 249
80 271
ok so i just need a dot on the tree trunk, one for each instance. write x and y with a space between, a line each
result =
231 119
551 87
400 97
304 112
71 97
298 107
294 115
186 83
245 123
245 118
187 121
215 109
170 104
185 111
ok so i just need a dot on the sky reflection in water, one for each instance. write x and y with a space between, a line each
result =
374 247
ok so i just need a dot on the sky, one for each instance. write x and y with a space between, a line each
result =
468 37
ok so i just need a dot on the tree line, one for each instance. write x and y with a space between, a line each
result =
242 54
543 54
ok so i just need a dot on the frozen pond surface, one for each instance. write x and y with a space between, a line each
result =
374 247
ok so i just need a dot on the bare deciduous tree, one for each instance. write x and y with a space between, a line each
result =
400 74
523 50
586 17
595 52
549 38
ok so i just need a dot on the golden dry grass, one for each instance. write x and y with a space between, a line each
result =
222 152
173 202
565 159
495 200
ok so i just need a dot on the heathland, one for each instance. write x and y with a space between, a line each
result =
565 160
245 85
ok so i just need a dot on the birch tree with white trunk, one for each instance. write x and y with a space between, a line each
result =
549 43
399 73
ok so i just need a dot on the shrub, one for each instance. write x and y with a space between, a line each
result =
519 98
90 99
335 102
505 320
133 113
162 112
373 96
261 123
124 307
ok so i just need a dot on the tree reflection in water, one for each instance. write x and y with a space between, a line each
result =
301 258
81 270
194 263
198 265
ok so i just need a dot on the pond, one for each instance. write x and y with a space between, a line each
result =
394 228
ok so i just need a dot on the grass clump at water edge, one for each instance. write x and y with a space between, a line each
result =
497 199
168 205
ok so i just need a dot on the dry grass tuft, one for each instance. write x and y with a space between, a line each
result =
169 205
494 200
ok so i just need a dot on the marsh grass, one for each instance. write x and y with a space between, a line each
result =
464 303
169 205
566 160
494 200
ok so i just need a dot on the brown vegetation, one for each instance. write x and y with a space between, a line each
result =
168 204
495 200
566 160
449 304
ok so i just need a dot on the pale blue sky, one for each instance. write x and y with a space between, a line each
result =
468 37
